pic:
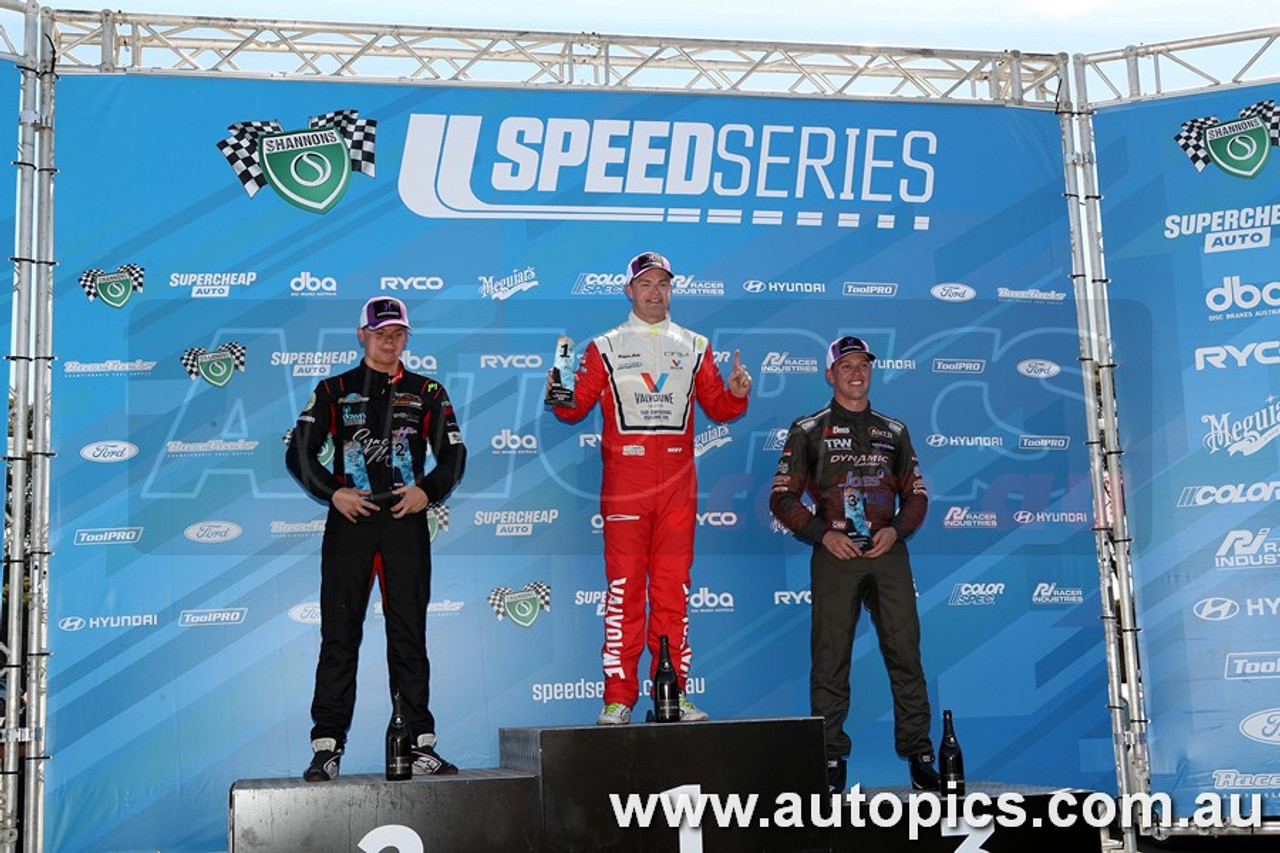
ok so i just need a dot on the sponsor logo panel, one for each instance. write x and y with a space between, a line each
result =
975 594
108 536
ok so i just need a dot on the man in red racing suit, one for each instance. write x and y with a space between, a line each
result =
646 374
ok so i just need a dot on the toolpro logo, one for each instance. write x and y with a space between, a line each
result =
1044 442
959 365
212 617
109 451
750 172
108 536
1249 665
882 289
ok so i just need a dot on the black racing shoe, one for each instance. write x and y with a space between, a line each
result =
924 777
324 763
428 762
837 775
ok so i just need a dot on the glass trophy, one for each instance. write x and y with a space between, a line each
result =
561 391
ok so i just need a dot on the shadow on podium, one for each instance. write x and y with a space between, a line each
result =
760 785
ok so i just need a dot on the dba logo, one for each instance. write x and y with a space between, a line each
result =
508 441
212 531
308 283
109 451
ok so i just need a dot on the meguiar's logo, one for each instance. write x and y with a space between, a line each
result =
215 367
115 288
522 607
1240 147
309 168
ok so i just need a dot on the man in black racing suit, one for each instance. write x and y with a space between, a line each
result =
860 471
385 422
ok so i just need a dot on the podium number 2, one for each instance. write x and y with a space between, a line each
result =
393 836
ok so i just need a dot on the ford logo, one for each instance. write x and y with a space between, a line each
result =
953 292
1263 726
308 613
109 451
753 286
1216 609
71 623
1038 368
212 531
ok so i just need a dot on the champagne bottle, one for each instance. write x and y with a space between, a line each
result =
666 690
950 759
399 750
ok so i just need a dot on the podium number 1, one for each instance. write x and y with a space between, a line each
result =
690 837
395 837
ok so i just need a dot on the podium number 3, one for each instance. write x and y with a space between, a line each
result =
393 836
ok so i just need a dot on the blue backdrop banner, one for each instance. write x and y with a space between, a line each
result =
1190 204
185 618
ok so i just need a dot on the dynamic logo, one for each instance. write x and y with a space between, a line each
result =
215 367
310 168
1240 147
1246 435
115 288
523 607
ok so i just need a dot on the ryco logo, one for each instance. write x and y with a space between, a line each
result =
1264 352
517 361
786 596
717 519
418 282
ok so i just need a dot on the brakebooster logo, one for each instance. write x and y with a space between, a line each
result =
215 367
115 288
310 168
522 607
205 285
499 289
110 367
572 168
1246 435
1240 147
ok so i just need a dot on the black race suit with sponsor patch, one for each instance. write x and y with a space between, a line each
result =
385 429
861 473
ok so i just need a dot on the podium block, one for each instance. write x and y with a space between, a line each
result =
477 810
578 767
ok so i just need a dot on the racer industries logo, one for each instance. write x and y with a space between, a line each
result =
1240 147
309 168
115 288
215 367
522 607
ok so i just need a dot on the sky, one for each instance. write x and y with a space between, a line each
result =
1035 26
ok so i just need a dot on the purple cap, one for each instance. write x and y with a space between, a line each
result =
847 345
647 261
384 311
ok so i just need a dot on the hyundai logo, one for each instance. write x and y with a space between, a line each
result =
1023 516
1216 609
753 286
936 440
71 623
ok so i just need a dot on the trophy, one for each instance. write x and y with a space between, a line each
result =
561 391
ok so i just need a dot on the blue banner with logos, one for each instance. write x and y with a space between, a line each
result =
200 300
1192 197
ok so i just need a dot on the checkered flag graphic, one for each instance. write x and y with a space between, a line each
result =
1265 110
191 358
544 593
498 601
441 514
360 134
241 151
89 279
1191 140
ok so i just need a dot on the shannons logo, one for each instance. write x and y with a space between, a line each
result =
870 288
306 284
419 364
959 365
413 282
1229 356
1240 147
499 289
521 607
1236 301
110 367
297 528
109 451
787 597
784 362
1216 609
212 284
132 620
531 361
1051 593
1246 665
963 517
212 532
447 607
756 286
1034 294
1245 549
108 536
204 618
591 598
1043 442
1227 230
776 439
518 522
567 167
1024 516
1038 368
306 613
952 291
1235 493
939 440
507 443
313 363
1246 435
706 601
971 594
1263 726
717 519
711 438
